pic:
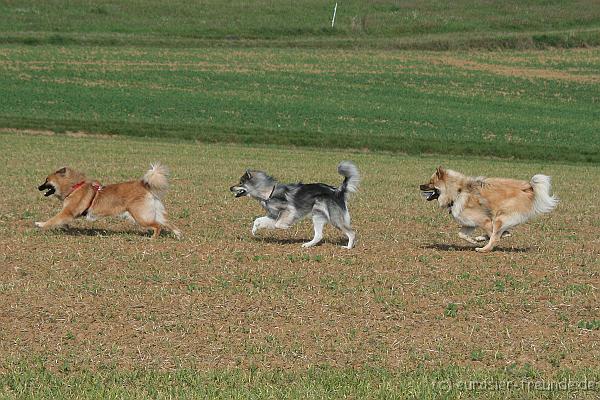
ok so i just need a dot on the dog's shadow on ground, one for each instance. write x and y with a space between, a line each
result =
74 231
274 240
453 247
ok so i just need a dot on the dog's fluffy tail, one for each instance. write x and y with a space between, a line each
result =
543 202
351 177
156 178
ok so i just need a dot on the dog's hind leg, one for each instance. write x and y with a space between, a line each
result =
152 214
343 224
145 217
262 222
160 215
465 234
351 237
319 221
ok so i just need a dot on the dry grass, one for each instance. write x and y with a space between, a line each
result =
411 293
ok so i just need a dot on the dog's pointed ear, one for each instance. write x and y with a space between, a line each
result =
248 174
440 172
62 171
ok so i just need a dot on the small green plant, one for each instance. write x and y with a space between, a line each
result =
330 283
555 359
499 285
451 310
577 289
239 257
477 355
193 287
589 325
222 282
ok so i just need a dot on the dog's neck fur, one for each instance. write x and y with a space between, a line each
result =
74 178
264 187
455 200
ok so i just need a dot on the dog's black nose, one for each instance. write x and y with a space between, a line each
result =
43 186
424 187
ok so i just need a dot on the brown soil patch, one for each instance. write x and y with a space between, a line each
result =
45 132
102 294
522 72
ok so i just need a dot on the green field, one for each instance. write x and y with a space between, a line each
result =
266 72
522 104
316 383
432 24
99 310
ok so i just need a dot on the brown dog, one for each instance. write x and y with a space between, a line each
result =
139 200
493 204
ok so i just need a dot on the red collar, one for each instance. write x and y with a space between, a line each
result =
95 185
77 186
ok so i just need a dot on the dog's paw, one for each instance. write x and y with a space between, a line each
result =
481 238
307 244
40 224
482 249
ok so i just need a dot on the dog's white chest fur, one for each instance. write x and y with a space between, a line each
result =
457 211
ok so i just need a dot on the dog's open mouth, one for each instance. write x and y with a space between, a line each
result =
239 192
430 194
50 189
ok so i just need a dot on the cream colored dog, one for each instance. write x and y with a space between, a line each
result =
493 204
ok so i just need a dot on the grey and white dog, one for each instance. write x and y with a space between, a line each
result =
288 203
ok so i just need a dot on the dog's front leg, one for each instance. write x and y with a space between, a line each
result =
285 220
485 238
59 219
262 222
497 231
465 234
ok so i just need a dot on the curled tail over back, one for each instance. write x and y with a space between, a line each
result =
156 178
351 177
543 202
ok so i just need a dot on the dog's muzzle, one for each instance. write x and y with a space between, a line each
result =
429 193
239 191
49 187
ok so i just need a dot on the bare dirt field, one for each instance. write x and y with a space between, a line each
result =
410 294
